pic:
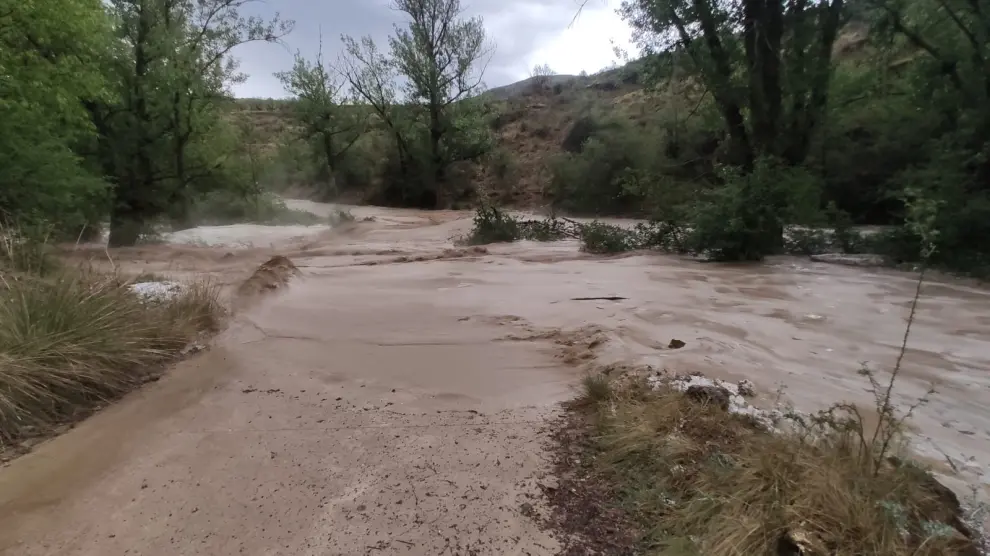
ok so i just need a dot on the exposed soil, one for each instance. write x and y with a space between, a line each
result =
394 397
583 505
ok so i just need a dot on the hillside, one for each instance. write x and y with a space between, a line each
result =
534 118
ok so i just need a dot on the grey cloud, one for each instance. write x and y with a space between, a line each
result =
516 27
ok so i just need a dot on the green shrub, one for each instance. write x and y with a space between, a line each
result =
593 181
744 219
670 236
492 225
504 169
601 238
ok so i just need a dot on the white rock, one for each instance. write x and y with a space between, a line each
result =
738 405
156 291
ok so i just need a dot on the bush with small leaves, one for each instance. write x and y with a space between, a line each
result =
492 225
601 238
549 229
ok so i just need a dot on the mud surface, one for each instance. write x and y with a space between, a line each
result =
391 399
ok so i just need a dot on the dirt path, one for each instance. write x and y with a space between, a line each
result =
392 399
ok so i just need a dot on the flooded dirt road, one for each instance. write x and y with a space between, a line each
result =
392 399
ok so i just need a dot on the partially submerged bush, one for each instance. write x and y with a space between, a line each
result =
548 229
74 341
340 216
744 219
492 225
601 238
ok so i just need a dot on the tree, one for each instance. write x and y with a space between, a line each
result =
772 89
52 57
953 37
172 67
333 127
372 77
439 54
541 75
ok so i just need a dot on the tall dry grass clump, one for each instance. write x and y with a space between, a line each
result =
71 339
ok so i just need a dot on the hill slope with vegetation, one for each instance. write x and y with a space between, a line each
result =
850 113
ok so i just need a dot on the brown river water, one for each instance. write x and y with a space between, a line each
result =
394 398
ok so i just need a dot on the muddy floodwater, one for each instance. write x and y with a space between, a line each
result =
393 399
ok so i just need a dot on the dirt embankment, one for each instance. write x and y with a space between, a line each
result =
394 398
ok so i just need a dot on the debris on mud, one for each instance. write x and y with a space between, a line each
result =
273 274
584 508
574 347
676 344
446 254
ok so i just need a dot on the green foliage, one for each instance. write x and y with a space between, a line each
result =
51 60
601 238
596 178
293 164
492 225
331 128
744 219
164 138
438 56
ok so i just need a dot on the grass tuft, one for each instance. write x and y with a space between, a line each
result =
75 340
595 389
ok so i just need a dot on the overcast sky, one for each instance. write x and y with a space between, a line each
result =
525 33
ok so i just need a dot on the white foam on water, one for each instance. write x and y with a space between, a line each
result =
242 236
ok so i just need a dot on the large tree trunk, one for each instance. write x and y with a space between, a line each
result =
125 226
